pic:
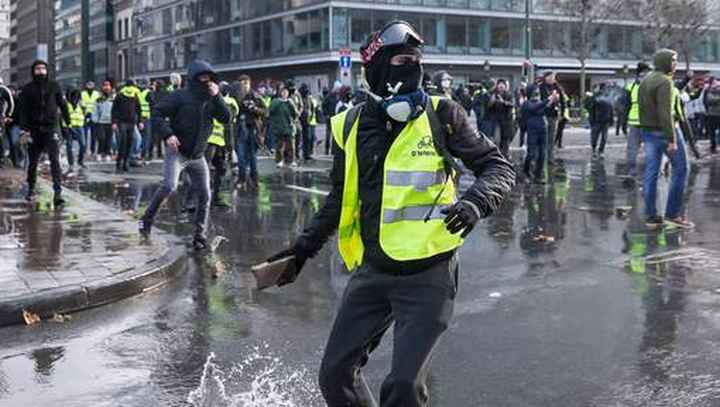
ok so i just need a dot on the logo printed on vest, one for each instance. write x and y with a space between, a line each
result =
425 147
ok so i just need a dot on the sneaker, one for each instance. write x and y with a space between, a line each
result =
654 222
83 166
281 164
144 227
294 164
200 243
680 222
58 200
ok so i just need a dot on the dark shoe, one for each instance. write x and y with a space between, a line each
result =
144 227
125 167
680 222
58 200
83 166
654 222
118 165
200 243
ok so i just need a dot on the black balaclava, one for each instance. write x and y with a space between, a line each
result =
379 72
38 78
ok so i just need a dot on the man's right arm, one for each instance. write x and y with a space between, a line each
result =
166 108
327 219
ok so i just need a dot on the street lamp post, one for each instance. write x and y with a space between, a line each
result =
528 44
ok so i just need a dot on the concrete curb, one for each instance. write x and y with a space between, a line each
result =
100 291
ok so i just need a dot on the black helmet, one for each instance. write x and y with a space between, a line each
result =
395 34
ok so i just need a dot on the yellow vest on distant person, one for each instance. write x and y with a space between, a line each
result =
77 115
217 137
87 101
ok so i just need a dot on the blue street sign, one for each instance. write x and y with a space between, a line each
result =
345 61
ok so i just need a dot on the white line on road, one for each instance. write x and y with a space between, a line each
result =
309 190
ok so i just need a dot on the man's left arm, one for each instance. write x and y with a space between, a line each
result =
219 109
494 175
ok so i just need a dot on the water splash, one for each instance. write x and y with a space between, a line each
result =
259 380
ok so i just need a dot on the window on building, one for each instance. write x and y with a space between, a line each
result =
360 26
340 29
506 36
118 34
127 28
479 4
429 31
477 34
455 34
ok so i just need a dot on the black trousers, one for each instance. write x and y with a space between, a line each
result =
125 134
48 142
420 305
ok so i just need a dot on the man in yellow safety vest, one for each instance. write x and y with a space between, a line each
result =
633 121
75 129
146 132
88 99
219 145
393 202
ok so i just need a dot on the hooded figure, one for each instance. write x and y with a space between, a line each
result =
184 119
655 97
443 81
38 106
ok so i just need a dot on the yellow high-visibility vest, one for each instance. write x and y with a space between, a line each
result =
634 114
88 100
413 177
77 115
144 104
217 137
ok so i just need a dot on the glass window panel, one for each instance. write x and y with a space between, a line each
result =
361 26
429 31
455 33
340 27
477 32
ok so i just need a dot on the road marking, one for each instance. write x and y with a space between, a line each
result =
309 190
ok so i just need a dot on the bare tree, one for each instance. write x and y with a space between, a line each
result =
679 24
588 15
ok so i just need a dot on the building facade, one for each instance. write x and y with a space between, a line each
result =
304 38
83 38
120 56
31 36
5 40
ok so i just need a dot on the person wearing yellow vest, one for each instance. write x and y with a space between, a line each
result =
308 121
126 114
633 120
219 144
393 202
88 99
76 129
146 132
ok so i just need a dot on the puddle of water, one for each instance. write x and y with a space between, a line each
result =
261 379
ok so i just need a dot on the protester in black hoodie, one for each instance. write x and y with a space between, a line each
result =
190 113
126 114
38 115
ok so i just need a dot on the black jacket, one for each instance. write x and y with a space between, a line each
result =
545 92
126 106
500 107
190 112
495 177
38 106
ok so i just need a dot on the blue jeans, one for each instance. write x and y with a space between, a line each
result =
246 149
598 131
136 145
199 175
76 134
536 148
655 147
633 148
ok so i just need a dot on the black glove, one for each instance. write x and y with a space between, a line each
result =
462 216
302 250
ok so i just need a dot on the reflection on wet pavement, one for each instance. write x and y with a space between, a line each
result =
566 300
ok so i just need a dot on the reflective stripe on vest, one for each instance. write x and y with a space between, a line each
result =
77 115
87 101
634 114
144 104
413 179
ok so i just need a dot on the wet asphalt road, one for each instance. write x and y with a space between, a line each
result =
561 303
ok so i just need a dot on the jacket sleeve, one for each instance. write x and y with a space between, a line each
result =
62 104
664 101
326 220
166 108
219 109
115 108
494 175
138 109
22 108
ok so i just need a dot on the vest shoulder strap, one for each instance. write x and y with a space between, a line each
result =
352 115
440 133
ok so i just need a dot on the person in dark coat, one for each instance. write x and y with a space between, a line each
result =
533 120
38 106
190 112
600 112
